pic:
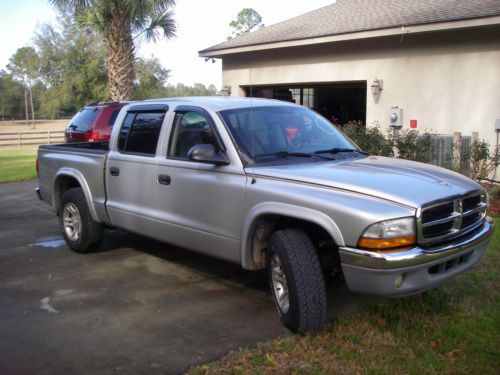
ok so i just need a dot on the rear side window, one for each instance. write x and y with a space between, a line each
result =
140 132
83 120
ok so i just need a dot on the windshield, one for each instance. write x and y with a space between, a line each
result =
283 130
83 120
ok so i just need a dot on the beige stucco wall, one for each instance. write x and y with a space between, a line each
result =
447 81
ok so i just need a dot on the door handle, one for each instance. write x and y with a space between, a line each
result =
164 179
114 171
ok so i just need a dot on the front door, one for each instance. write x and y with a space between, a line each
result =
203 202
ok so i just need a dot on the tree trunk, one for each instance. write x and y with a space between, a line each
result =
120 58
32 109
26 106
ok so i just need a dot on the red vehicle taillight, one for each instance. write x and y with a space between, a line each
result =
37 169
92 136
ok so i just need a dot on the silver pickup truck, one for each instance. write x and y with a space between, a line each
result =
269 185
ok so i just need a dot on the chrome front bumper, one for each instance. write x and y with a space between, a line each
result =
419 269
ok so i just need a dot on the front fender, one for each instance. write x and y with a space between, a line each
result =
77 175
288 210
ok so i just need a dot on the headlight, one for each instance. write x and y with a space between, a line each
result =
389 234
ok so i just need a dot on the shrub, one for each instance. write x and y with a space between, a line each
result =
475 160
411 145
495 193
369 139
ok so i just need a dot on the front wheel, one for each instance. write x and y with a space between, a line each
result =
80 231
296 281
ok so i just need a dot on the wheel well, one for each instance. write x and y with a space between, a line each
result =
63 184
265 225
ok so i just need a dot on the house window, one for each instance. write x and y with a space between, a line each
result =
296 95
308 98
303 96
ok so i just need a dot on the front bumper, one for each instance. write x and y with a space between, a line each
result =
420 269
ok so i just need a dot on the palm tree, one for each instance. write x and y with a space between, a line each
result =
120 22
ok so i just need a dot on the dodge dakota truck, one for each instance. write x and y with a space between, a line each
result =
269 185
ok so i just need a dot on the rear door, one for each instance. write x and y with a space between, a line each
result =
131 168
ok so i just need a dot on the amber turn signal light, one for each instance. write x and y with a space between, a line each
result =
386 243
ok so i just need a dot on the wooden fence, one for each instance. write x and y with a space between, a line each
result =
31 138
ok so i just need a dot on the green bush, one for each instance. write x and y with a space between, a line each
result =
411 145
369 139
495 193
475 160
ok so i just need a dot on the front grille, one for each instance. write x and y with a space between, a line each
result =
438 229
438 212
470 203
442 221
470 220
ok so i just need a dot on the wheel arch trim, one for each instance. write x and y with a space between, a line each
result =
78 176
285 210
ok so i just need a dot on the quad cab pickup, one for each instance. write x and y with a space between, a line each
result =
269 185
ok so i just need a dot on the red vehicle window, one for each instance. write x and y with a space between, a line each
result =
83 120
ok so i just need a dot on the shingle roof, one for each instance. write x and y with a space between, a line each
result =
348 16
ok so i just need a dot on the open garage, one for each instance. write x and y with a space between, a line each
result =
340 102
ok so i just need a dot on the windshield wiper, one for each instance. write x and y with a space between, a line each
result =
283 154
336 150
286 154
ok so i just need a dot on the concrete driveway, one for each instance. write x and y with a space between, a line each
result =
136 306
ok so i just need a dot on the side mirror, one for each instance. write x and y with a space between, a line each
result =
207 153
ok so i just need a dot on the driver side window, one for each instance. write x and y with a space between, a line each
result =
189 128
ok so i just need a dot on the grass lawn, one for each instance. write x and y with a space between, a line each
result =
17 164
451 330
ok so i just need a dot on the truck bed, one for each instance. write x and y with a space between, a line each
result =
84 162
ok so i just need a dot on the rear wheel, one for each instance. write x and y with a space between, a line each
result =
296 281
80 231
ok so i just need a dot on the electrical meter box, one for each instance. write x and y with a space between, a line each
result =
396 117
497 124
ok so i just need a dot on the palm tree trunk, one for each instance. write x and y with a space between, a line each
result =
120 58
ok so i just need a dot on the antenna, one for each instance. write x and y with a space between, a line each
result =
252 128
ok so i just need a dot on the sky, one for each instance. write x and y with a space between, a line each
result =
200 24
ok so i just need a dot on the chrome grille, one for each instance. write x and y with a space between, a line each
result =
444 220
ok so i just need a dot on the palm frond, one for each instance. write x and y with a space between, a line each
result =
161 25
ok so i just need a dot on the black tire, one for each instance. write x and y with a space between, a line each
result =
90 232
307 307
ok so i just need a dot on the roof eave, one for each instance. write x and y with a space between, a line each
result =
422 28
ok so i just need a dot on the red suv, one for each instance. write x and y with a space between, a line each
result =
93 123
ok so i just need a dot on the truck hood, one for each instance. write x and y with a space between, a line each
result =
410 183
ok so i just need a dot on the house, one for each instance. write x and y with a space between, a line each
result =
427 64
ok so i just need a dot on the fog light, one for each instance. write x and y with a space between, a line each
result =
398 281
